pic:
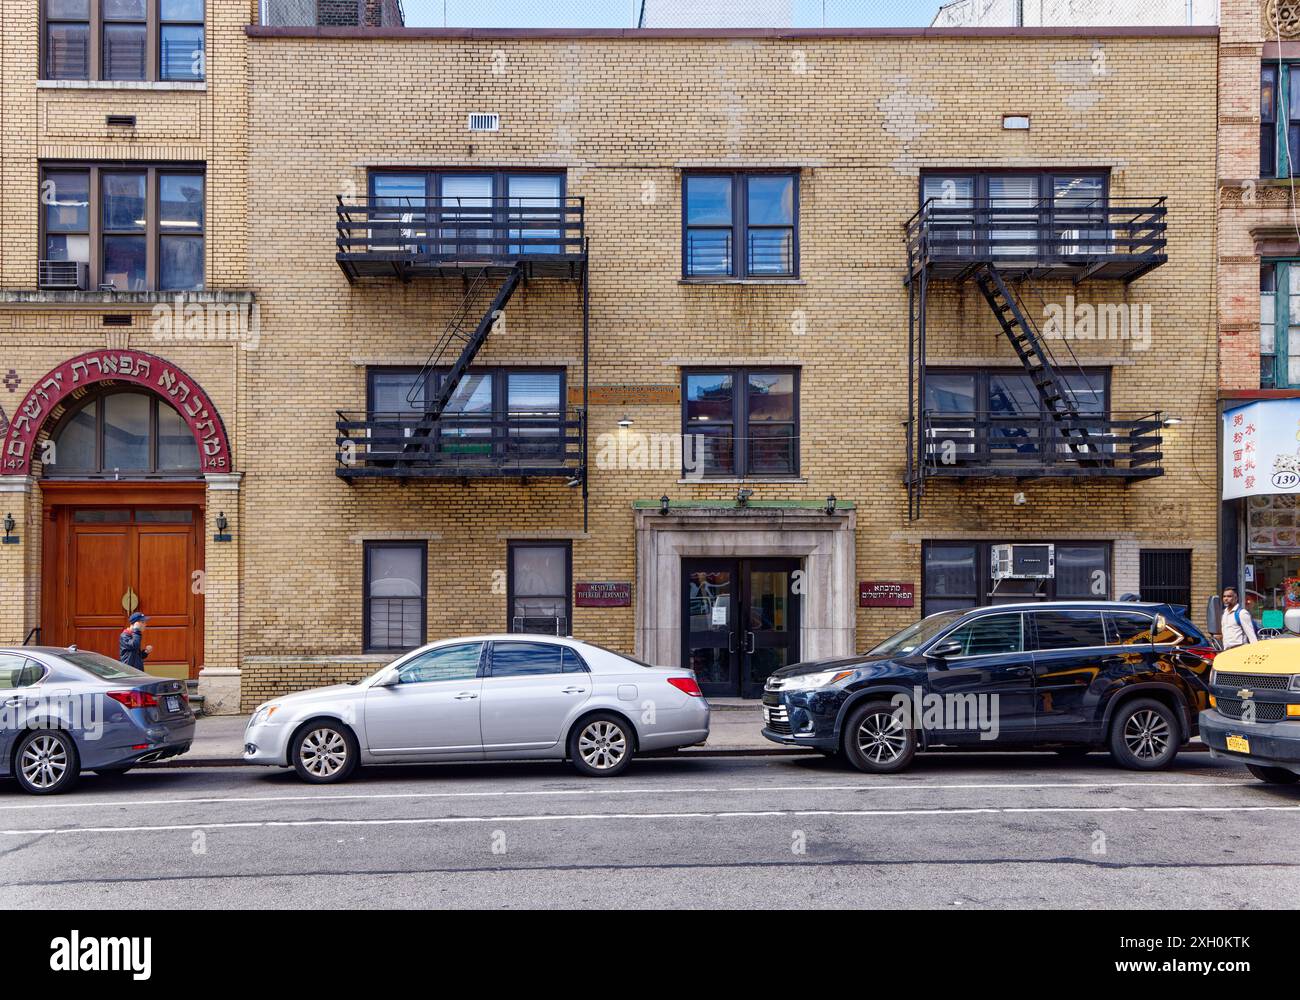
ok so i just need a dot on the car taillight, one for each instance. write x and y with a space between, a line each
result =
134 698
687 685
1206 653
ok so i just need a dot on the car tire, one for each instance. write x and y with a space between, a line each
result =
876 740
1144 735
1273 775
46 762
600 745
324 752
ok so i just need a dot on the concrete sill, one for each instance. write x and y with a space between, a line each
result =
742 482
43 298
741 281
154 86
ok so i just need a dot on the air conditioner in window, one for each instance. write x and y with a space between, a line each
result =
962 438
1024 562
69 274
404 232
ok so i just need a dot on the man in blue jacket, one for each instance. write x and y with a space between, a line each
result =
130 644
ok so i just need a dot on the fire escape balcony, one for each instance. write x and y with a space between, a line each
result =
549 444
447 237
1052 238
1034 446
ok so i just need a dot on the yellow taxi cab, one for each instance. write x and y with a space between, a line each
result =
1254 713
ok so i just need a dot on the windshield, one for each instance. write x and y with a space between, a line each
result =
913 636
101 666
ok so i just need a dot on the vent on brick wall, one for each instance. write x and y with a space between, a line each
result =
127 121
117 319
485 123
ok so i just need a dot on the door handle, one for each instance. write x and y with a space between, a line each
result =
749 642
14 703
731 642
574 690
1020 672
466 696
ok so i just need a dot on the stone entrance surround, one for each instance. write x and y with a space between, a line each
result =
824 543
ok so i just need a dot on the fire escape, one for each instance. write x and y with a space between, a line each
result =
492 247
993 243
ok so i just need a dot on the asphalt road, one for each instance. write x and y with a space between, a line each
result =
978 830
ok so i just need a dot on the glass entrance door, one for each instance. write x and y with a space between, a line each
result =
740 622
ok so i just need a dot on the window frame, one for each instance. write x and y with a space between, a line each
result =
419 655
153 231
984 571
539 640
370 545
984 376
740 418
981 175
1275 127
965 623
1282 322
100 471
539 543
740 225
95 22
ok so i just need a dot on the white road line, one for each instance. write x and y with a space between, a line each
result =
103 803
590 817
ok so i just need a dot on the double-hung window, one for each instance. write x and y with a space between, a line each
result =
396 592
740 422
137 228
1279 324
1279 119
156 40
538 585
959 574
740 225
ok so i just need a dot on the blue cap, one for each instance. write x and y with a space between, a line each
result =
137 617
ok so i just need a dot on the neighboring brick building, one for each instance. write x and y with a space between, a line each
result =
743 228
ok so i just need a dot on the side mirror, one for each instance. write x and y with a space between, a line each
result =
945 650
1291 622
389 679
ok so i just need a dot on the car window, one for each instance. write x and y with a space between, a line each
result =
524 659
17 671
915 635
573 663
1069 629
446 663
101 666
990 635
1127 628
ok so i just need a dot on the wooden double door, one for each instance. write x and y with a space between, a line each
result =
106 561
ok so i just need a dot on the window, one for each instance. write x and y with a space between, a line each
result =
958 575
1279 120
446 663
137 228
990 636
122 39
1279 323
740 225
524 659
395 595
1165 576
1069 629
1128 628
123 432
741 422
467 213
538 587
18 671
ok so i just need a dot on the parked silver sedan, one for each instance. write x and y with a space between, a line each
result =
501 697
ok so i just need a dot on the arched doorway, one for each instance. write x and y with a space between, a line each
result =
121 444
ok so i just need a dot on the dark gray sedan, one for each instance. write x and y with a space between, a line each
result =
64 711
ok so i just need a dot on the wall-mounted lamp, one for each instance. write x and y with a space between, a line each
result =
223 528
9 525
626 422
1172 421
830 505
663 505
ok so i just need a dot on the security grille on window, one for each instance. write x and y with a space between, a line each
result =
157 40
539 587
395 595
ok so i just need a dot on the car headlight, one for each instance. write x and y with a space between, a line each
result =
262 714
809 682
1295 682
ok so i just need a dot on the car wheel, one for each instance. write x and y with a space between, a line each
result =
877 741
47 762
1273 775
324 752
601 745
1144 735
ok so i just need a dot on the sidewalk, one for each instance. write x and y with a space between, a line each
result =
734 728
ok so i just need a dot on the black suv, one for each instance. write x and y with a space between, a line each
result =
1074 676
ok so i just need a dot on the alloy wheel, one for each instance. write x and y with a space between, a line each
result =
323 752
1146 734
602 745
882 738
44 761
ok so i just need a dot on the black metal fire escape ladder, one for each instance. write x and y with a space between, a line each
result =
1027 342
437 394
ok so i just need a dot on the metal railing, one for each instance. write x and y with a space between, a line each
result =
967 444
1047 233
537 443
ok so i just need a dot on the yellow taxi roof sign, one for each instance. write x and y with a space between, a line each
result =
1272 656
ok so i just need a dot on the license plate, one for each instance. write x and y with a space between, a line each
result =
172 703
1238 744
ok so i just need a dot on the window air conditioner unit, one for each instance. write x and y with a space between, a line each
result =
70 274
962 438
1024 562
